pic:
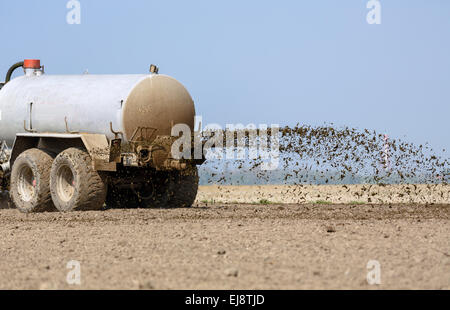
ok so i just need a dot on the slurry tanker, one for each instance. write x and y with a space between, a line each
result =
83 142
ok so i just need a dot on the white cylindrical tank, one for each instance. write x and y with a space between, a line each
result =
89 103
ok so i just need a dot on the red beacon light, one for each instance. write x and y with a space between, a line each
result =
31 64
32 67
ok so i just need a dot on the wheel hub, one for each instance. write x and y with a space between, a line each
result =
26 184
65 183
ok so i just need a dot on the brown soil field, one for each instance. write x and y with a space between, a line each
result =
230 246
299 194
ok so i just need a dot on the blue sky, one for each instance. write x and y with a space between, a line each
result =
260 61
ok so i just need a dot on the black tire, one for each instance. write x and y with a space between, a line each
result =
155 193
5 200
74 184
121 198
177 190
174 189
184 188
152 194
30 181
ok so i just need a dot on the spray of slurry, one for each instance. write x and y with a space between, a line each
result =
329 155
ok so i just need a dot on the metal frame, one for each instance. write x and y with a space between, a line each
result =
96 144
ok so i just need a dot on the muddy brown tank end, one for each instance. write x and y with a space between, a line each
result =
154 105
